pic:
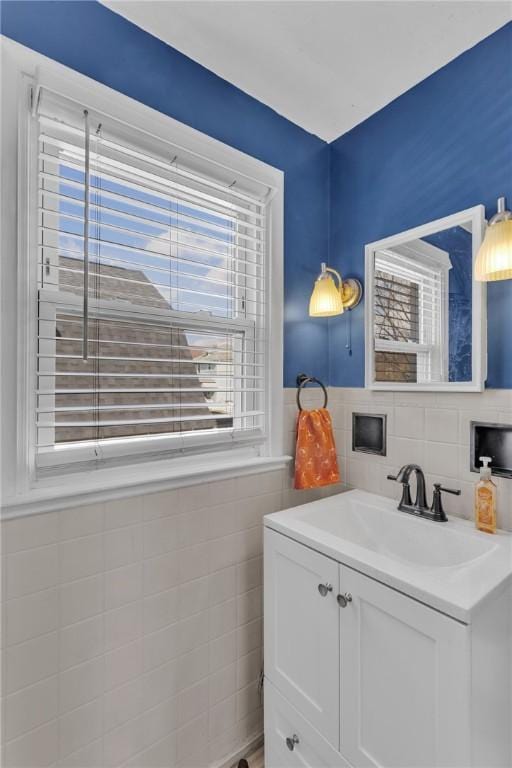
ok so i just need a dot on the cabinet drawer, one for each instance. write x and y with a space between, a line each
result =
282 722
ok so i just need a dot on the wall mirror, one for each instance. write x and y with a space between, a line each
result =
425 314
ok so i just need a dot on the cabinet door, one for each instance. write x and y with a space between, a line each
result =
290 741
302 630
405 680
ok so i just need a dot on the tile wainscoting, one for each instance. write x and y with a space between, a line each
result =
431 429
132 630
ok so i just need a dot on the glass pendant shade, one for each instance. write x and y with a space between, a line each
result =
326 298
494 259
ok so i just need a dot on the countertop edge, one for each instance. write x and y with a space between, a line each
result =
453 611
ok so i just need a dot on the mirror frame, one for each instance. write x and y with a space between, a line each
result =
479 306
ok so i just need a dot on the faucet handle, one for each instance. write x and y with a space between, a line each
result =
406 490
437 505
439 487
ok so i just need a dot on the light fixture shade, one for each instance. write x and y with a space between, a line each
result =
326 298
494 259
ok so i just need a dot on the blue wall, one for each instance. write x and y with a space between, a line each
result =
93 40
443 146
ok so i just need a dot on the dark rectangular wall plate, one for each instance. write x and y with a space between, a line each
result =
369 433
494 440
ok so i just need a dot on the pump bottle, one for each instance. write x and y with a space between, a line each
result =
485 499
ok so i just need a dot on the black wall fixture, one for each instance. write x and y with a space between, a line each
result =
494 440
369 433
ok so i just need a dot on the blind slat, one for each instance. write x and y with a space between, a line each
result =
74 139
169 219
139 422
128 359
142 167
137 390
131 407
144 207
175 289
114 375
156 187
146 345
162 238
176 273
125 248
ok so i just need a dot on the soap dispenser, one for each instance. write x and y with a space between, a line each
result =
485 499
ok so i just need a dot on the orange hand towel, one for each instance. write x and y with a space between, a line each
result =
316 464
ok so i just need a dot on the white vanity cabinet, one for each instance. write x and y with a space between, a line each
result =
360 674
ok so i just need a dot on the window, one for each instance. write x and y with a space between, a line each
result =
152 289
410 324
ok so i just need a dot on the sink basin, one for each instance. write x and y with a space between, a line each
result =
398 535
450 566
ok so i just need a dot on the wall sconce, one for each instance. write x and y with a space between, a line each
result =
494 259
329 299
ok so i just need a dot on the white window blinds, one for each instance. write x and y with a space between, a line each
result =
410 315
151 293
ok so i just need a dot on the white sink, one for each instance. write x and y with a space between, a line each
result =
450 566
399 535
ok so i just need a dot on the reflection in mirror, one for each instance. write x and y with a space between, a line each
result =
422 305
423 309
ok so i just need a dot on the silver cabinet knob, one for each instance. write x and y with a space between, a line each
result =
344 600
291 741
324 589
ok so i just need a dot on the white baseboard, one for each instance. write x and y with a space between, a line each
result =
250 745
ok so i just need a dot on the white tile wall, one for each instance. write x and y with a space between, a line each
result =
430 429
132 630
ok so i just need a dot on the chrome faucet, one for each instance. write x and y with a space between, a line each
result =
420 506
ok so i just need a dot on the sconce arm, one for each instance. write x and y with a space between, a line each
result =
335 272
325 269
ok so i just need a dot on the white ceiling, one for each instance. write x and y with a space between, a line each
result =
324 64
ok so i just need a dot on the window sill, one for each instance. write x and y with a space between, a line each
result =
101 485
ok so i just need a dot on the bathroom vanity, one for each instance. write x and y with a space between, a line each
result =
387 639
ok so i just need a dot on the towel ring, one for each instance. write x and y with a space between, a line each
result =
302 380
